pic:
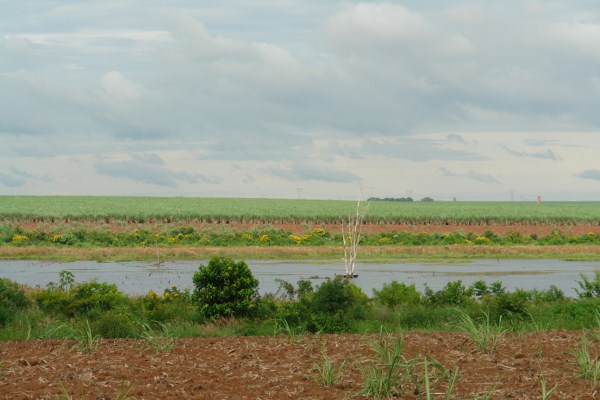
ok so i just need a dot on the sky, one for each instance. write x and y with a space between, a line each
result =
312 99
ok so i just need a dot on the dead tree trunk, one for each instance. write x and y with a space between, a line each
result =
351 235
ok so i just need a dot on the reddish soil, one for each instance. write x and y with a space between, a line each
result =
299 228
279 368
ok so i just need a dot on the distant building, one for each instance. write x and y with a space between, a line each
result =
427 199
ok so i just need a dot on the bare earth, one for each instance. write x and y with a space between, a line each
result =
280 368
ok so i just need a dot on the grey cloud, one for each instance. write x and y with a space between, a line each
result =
150 169
544 154
479 177
453 137
593 174
301 171
11 180
473 175
406 148
446 172
16 177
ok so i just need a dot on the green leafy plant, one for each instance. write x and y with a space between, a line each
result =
589 367
484 334
162 341
85 341
383 378
12 299
328 373
225 288
594 333
282 326
589 287
396 293
66 280
546 394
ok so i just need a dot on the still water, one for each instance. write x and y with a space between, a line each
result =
139 277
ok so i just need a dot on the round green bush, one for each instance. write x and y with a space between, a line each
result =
12 298
225 288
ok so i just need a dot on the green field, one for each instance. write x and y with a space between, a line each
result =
142 209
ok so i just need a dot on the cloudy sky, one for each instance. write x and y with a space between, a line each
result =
476 100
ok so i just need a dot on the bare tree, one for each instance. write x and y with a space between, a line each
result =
351 235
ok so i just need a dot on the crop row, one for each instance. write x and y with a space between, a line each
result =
189 236
144 209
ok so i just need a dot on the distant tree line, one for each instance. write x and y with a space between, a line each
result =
405 199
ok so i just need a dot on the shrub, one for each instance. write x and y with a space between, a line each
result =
225 288
53 301
396 293
589 287
508 304
332 307
336 295
11 295
12 298
114 324
454 293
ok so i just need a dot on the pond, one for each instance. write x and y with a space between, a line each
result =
137 278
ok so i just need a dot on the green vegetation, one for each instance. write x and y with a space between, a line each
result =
225 210
85 312
186 236
225 288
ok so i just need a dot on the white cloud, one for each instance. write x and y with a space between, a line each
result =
463 96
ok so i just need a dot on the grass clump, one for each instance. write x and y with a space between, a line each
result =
589 366
485 334
327 373
161 341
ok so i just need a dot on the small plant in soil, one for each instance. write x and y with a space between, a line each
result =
589 366
485 335
85 341
328 373
282 326
162 341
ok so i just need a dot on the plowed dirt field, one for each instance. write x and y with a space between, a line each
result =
281 368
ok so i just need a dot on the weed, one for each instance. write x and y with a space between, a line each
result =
85 341
328 374
161 342
594 334
485 335
546 394
452 378
589 368
295 338
388 375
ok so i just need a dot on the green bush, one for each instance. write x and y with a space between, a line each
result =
53 301
396 293
508 304
12 298
116 324
453 294
95 297
225 288
589 287
336 295
12 295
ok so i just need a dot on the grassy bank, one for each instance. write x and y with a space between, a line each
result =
367 253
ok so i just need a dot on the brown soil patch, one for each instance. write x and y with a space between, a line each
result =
277 368
299 228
